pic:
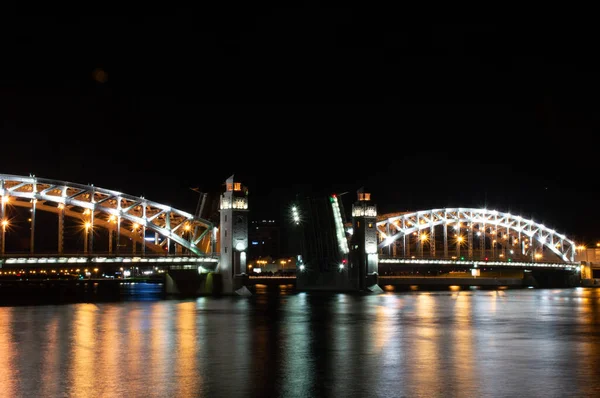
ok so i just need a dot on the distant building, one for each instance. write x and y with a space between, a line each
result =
264 238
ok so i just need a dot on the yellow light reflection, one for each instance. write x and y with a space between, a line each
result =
186 350
260 288
107 365
84 348
493 300
159 346
464 366
134 341
425 347
8 376
51 361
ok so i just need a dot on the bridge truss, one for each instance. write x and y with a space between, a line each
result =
120 214
470 233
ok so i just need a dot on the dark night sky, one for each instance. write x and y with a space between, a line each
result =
308 100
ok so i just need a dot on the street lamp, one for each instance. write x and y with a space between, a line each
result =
87 226
4 225
459 241
295 214
187 228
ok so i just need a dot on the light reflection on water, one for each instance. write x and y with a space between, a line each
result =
474 343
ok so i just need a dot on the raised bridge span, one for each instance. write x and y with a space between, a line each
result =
95 226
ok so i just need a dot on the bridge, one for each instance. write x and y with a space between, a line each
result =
58 226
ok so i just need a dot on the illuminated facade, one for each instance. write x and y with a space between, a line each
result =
233 232
364 238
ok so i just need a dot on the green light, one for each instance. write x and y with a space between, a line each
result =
461 258
509 260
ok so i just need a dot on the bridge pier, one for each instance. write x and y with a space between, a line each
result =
190 283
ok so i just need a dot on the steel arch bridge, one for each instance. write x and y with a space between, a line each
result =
119 213
499 235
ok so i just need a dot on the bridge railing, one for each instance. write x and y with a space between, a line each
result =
105 254
477 258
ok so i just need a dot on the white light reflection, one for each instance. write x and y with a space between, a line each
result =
464 342
298 366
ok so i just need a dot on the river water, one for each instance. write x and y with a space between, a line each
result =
464 343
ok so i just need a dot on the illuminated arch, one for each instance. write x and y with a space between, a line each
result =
390 227
56 196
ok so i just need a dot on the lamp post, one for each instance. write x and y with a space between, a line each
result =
85 241
188 229
4 225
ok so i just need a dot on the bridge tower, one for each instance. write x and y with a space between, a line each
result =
363 252
233 227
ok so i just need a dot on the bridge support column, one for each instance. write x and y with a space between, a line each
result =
32 239
91 235
482 242
144 229
110 240
61 228
470 241
432 240
118 243
406 241
233 211
458 239
3 220
445 236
